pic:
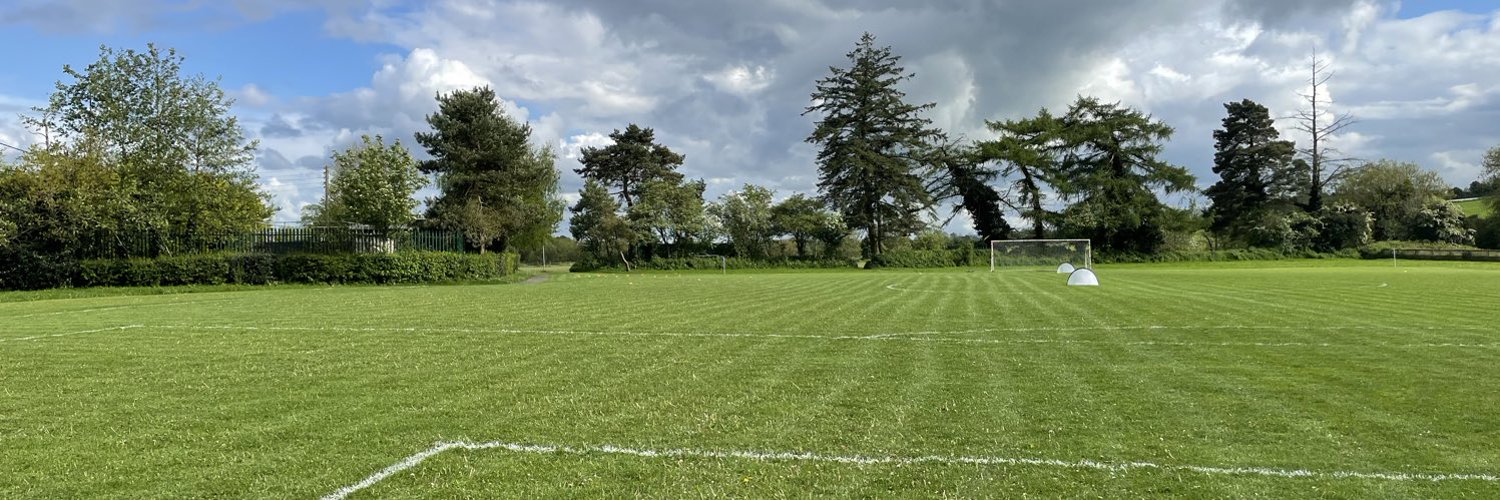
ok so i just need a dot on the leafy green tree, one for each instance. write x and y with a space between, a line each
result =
1027 152
873 145
1255 169
489 174
804 219
1491 176
1112 167
597 226
1394 193
170 135
372 184
746 219
58 207
670 214
630 163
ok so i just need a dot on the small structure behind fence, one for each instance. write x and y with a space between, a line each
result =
280 240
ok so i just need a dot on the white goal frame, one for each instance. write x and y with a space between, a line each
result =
1088 250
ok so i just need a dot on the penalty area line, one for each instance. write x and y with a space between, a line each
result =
1085 464
65 334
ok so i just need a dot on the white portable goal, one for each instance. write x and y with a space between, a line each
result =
1060 256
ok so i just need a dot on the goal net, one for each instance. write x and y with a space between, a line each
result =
1041 255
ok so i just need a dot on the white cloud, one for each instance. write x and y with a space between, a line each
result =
251 95
741 80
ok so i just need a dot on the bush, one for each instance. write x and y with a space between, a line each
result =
21 269
1240 254
713 263
1486 232
1343 226
957 257
213 269
1442 221
1287 232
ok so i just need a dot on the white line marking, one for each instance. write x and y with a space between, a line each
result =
414 460
114 308
886 337
51 335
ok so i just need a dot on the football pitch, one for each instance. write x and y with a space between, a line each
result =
1292 379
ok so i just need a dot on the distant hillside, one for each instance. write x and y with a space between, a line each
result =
1474 206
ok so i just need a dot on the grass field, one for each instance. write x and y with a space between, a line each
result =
1476 207
1293 379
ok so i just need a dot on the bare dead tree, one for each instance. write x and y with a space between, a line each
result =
1325 164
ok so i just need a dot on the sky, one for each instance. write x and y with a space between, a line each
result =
725 82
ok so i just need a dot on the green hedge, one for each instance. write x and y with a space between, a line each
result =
713 263
215 269
1382 249
958 257
965 257
1238 254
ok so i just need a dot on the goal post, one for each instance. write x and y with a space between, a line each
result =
1041 255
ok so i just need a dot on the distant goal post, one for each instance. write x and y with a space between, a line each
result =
1041 254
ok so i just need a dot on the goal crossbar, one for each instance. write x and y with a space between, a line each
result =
1083 245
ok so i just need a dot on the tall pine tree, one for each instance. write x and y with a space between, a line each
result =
632 161
496 187
1255 169
873 144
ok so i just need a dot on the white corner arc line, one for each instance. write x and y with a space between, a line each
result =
418 458
51 335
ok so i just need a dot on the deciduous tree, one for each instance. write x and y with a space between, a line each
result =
168 134
804 219
1394 193
670 215
597 226
372 184
746 219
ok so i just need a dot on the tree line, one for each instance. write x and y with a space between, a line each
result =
130 145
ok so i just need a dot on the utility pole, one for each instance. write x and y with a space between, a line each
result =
325 186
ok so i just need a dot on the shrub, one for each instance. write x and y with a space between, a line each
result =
1343 226
22 269
957 257
209 269
1240 254
1442 221
1486 232
713 263
1290 231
